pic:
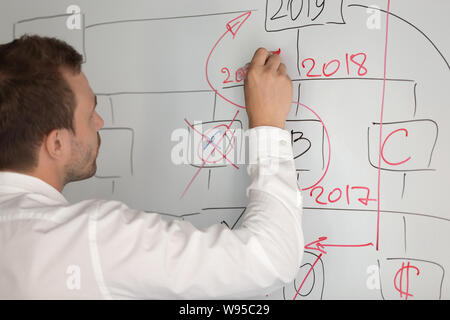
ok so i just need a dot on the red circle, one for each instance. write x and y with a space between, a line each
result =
329 145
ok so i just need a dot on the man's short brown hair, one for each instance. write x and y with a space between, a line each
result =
35 99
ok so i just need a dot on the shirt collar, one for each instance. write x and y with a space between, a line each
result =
31 184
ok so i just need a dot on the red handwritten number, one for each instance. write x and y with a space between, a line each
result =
325 66
348 199
239 75
226 71
362 70
361 65
320 194
331 193
336 194
346 60
312 67
364 201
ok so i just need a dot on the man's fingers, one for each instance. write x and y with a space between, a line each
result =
260 57
274 62
282 69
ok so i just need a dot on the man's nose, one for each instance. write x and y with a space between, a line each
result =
100 121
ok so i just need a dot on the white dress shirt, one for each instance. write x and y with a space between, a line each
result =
99 249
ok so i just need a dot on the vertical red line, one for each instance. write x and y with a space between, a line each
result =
381 123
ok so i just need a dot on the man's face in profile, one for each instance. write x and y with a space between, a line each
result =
85 143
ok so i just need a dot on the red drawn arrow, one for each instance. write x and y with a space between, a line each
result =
319 246
232 27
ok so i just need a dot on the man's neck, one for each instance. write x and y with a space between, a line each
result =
48 178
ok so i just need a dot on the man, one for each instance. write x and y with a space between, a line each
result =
52 249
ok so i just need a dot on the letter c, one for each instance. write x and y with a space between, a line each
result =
382 148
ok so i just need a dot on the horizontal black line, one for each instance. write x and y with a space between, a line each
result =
406 121
375 211
224 208
46 17
317 208
304 120
224 120
150 92
404 170
357 78
173 215
166 18
329 79
207 167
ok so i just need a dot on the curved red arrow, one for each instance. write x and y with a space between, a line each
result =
319 246
232 27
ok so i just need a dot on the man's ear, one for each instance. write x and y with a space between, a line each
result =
57 143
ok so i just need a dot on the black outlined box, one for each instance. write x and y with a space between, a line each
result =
115 158
405 145
294 14
215 144
307 139
411 278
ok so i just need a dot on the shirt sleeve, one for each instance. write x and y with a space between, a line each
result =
142 256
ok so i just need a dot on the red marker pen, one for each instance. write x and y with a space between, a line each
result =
243 71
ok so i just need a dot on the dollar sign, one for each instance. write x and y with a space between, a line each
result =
399 276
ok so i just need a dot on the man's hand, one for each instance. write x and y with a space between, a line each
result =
268 90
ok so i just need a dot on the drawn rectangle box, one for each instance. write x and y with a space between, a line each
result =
105 110
409 278
215 143
115 158
53 26
293 14
307 138
405 146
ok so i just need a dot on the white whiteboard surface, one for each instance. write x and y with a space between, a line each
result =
378 208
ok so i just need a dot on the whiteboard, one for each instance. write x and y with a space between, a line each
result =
370 126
